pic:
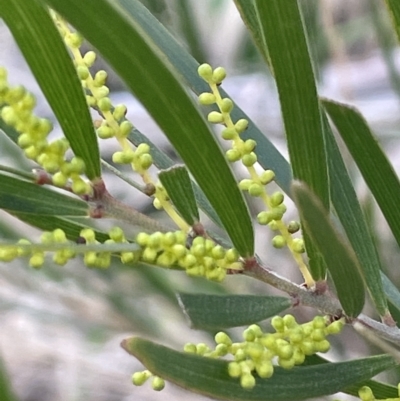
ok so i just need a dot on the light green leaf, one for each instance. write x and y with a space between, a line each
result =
22 196
150 77
179 188
348 209
210 377
42 46
211 312
374 166
339 256
285 40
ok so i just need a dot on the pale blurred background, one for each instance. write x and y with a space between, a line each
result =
61 326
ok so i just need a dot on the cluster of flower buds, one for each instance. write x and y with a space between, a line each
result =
65 250
139 378
288 347
199 257
16 110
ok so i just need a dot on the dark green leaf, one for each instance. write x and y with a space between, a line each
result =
394 10
22 196
42 46
374 166
339 256
144 69
249 16
284 36
223 311
210 376
348 209
7 394
391 291
179 188
380 390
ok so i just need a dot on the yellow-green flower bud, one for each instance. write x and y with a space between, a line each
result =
241 125
128 257
74 40
278 241
245 184
80 187
89 58
218 75
319 322
155 240
188 261
289 321
105 132
100 78
322 346
249 145
59 179
366 394
37 260
221 350
125 128
88 234
140 378
83 72
248 335
202 348
226 105
104 104
264 217
8 254
222 338
234 369
228 134
215 117
298 245
142 239
59 235
286 363
218 252
233 155
22 252
265 369
278 324
179 250
256 190
117 234
119 111
102 91
249 159
247 381
276 198
145 161
91 101
158 383
335 327
124 157
206 98
205 71
267 176
190 348
231 255
318 335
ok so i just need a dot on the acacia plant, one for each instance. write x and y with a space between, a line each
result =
331 237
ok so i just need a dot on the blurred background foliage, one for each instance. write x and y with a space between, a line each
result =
61 326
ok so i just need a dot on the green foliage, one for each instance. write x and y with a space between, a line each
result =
264 365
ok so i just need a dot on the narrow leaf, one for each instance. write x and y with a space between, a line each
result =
391 291
42 46
179 188
348 209
6 391
249 16
150 77
285 39
22 196
394 10
211 312
339 256
374 166
210 377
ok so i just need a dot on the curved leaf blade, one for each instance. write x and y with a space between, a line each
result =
374 166
42 46
211 312
348 209
179 188
210 376
150 77
394 10
22 196
339 256
285 40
